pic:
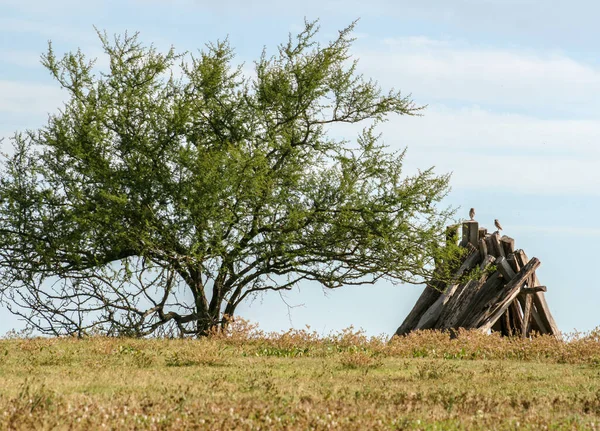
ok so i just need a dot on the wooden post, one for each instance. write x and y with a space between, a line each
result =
539 300
497 246
527 316
505 269
508 245
482 233
483 248
470 233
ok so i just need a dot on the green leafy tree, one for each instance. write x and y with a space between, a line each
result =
171 188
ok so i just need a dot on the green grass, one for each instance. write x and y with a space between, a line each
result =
248 380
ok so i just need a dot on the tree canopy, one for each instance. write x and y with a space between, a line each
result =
171 187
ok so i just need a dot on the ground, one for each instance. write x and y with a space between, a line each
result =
299 380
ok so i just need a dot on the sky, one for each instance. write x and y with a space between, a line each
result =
512 89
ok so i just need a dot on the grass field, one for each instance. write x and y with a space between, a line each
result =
298 380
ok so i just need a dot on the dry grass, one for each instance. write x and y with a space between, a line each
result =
246 379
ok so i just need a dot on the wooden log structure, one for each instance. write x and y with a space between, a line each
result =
495 288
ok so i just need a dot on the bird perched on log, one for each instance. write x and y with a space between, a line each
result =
497 224
472 213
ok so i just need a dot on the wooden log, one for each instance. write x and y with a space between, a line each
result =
537 323
539 300
516 317
432 293
483 248
471 260
429 319
472 308
490 247
498 250
512 261
482 233
487 262
527 316
534 289
508 245
428 297
470 233
462 298
505 269
500 302
492 302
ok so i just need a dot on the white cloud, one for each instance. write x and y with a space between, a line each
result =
504 120
504 152
441 70
481 131
21 58
29 97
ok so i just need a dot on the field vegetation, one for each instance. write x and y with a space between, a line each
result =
246 379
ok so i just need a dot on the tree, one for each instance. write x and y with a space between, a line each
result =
171 188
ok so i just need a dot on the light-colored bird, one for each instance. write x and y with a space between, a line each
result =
472 213
497 224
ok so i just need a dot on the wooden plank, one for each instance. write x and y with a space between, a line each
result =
472 259
426 300
482 233
527 316
539 300
461 298
474 233
512 261
537 323
432 293
429 319
516 317
498 250
490 247
508 245
500 302
534 289
450 308
483 248
470 232
505 269
472 308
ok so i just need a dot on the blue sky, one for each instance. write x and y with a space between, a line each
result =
513 95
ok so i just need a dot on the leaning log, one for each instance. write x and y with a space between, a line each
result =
426 300
456 306
539 299
431 316
500 302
